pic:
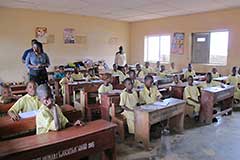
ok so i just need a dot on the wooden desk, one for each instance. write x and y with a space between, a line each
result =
5 107
19 89
212 95
221 79
106 102
87 86
8 127
71 143
147 115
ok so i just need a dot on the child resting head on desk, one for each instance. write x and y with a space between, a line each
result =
150 92
129 100
6 95
28 102
132 76
106 86
192 96
50 116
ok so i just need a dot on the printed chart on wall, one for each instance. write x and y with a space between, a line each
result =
41 34
178 43
69 36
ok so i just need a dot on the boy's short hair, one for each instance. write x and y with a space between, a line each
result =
31 81
190 77
106 76
131 71
148 77
126 80
61 67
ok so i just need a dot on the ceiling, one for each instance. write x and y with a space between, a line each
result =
125 10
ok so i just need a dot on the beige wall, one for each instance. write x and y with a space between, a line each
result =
17 29
211 21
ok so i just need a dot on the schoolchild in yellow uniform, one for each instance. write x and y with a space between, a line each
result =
91 74
76 76
106 86
147 69
189 72
162 73
157 68
233 79
128 101
237 93
67 79
172 69
28 102
209 82
140 73
191 95
50 116
215 73
150 93
132 76
118 73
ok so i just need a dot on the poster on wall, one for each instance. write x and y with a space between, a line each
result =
41 34
178 43
69 36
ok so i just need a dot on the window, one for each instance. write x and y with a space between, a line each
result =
157 48
210 47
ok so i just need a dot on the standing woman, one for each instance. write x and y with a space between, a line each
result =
37 62
120 59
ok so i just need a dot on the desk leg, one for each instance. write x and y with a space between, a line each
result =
177 123
142 128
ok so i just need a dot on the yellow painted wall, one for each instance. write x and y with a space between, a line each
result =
211 21
17 29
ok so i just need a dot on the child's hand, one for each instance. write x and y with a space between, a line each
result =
79 123
14 117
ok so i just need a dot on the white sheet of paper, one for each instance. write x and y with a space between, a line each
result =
28 114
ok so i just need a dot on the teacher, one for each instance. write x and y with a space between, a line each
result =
120 59
37 62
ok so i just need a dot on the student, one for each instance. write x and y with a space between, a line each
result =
6 95
92 75
176 80
65 80
162 73
209 82
157 69
233 78
237 94
140 73
215 73
191 95
106 86
189 72
132 76
172 68
50 116
76 76
60 73
128 101
27 103
25 54
117 72
147 69
150 93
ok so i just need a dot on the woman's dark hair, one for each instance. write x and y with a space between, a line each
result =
40 46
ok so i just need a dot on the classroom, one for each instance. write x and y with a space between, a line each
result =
119 80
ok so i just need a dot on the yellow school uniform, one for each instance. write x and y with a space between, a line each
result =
92 77
77 77
130 101
25 104
63 82
45 120
140 74
157 69
215 75
149 96
162 74
187 74
193 93
237 93
171 70
104 89
147 70
137 84
233 80
211 84
120 74
5 100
